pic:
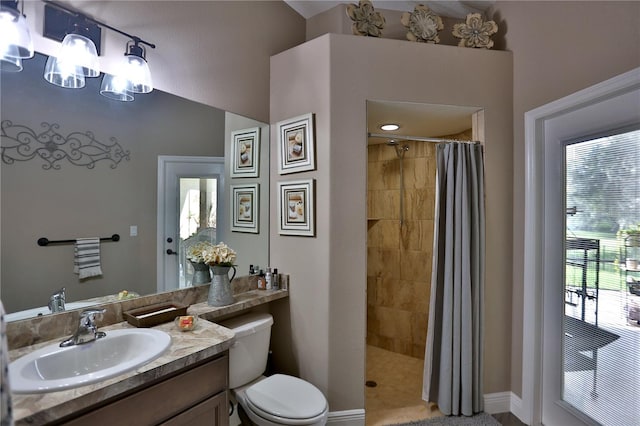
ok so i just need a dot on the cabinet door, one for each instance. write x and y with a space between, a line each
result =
211 412
162 400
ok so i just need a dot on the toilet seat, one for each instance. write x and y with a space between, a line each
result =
286 400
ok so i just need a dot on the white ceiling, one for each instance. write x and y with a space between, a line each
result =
449 8
416 119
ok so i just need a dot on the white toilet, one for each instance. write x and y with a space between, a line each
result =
274 400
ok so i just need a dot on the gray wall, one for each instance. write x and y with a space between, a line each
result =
333 76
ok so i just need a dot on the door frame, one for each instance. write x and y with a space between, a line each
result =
163 162
536 139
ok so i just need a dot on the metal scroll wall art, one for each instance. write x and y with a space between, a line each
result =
20 143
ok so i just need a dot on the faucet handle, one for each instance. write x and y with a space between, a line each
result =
89 315
60 293
56 301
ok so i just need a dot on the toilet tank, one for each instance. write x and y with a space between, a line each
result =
248 354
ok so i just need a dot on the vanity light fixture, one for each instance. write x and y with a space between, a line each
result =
132 76
137 68
116 87
389 127
15 40
78 57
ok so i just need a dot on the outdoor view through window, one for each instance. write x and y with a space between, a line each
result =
601 351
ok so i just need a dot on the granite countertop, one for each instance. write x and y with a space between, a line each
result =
187 348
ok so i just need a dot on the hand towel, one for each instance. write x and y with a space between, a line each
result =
6 417
86 259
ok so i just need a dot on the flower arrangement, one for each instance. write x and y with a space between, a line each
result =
195 251
213 255
219 255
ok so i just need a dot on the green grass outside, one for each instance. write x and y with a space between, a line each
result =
610 276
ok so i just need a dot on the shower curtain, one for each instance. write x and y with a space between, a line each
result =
453 355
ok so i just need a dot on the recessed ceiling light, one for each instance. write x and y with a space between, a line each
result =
389 127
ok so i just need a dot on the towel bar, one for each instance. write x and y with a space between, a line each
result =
43 242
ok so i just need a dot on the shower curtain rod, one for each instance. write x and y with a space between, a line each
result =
416 138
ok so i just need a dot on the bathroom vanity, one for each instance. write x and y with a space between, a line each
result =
194 396
187 383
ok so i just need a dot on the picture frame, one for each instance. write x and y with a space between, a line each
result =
245 208
245 153
296 144
296 207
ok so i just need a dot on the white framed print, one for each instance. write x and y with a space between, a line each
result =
245 208
296 206
296 145
245 152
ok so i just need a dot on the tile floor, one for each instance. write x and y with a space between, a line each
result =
397 398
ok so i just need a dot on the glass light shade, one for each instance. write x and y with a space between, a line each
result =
79 52
137 72
63 74
14 32
116 87
9 62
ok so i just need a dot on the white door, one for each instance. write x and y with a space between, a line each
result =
190 195
547 397
563 323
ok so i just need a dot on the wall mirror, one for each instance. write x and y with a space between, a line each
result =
103 181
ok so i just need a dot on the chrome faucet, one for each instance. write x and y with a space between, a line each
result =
56 301
87 329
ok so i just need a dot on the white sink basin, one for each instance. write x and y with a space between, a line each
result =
53 368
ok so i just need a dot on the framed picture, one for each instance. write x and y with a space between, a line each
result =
295 200
296 145
245 152
245 208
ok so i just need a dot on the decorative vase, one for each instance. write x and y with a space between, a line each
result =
220 293
201 273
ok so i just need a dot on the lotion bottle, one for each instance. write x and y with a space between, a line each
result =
268 277
262 282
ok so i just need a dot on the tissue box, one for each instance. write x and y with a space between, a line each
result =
151 315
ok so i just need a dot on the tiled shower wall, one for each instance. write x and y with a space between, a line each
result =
399 258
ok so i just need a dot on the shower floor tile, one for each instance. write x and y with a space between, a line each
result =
397 398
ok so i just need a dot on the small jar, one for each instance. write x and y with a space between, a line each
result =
185 322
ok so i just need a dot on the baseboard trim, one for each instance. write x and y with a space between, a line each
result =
503 402
516 406
346 418
499 402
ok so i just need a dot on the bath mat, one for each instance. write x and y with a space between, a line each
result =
482 419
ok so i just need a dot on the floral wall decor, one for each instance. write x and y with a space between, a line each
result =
475 32
422 25
366 21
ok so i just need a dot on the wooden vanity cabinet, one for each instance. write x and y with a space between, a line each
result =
194 396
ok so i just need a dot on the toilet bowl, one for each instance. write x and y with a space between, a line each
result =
274 400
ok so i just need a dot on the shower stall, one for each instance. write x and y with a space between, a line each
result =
401 182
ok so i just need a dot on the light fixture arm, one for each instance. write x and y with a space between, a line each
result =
137 39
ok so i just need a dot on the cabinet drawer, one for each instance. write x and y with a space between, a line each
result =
210 412
163 400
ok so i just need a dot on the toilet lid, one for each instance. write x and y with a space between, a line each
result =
287 397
